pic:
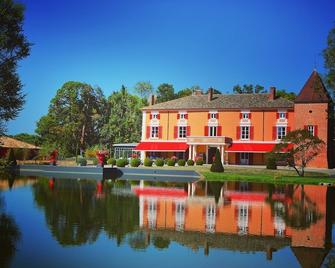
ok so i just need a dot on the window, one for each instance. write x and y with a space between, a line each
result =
180 216
182 116
212 115
310 129
210 218
245 131
242 220
282 115
212 131
281 132
182 132
154 132
245 115
155 116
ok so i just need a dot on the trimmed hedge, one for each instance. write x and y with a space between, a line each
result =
135 162
159 162
111 161
147 162
95 161
199 162
171 162
181 162
190 162
121 162
82 161
271 163
217 164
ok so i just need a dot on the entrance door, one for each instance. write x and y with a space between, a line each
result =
244 158
211 154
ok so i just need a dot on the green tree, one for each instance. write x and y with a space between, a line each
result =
329 57
144 89
301 146
74 119
165 92
124 119
217 164
29 138
286 95
13 48
248 88
184 92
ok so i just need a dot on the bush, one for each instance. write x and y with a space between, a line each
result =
148 162
190 162
11 160
199 161
271 162
121 162
111 161
171 162
159 162
217 164
181 162
135 162
95 161
82 161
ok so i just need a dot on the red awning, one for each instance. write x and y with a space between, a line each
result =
162 146
251 147
159 192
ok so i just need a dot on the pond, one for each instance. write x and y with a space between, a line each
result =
85 223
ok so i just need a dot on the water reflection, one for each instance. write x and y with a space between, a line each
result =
234 216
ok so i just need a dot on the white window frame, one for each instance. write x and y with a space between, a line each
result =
210 218
212 115
182 130
311 129
282 115
243 219
182 115
245 132
281 134
212 131
154 132
245 115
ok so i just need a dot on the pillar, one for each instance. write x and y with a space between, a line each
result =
222 154
190 152
206 154
194 152
142 155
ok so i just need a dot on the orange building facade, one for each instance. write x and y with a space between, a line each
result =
244 127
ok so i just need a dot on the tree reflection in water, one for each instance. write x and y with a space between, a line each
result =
10 236
77 214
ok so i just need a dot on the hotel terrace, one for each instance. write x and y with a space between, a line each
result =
244 127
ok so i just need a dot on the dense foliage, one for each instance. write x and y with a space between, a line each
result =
217 164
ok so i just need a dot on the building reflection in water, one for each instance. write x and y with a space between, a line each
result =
241 216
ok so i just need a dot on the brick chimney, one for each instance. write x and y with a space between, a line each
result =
272 93
152 100
210 94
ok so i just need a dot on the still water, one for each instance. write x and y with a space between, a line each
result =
71 223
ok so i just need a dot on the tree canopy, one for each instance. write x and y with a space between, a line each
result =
165 92
13 48
329 57
144 89
248 88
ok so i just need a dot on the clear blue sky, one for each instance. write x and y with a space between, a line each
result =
207 43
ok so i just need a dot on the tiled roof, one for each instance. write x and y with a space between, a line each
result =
7 142
313 91
223 101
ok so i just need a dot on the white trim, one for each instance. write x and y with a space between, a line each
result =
245 111
213 111
144 113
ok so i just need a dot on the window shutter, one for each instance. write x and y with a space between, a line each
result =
274 133
148 132
277 115
160 132
208 115
219 130
178 116
288 129
251 133
158 116
249 116
306 127
217 116
286 115
238 133
206 130
150 116
175 132
315 130
186 116
240 115
188 131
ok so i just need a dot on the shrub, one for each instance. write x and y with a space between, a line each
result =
111 161
190 162
271 162
148 162
82 161
171 162
135 162
11 160
159 162
95 161
121 162
217 164
181 162
199 161
127 161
